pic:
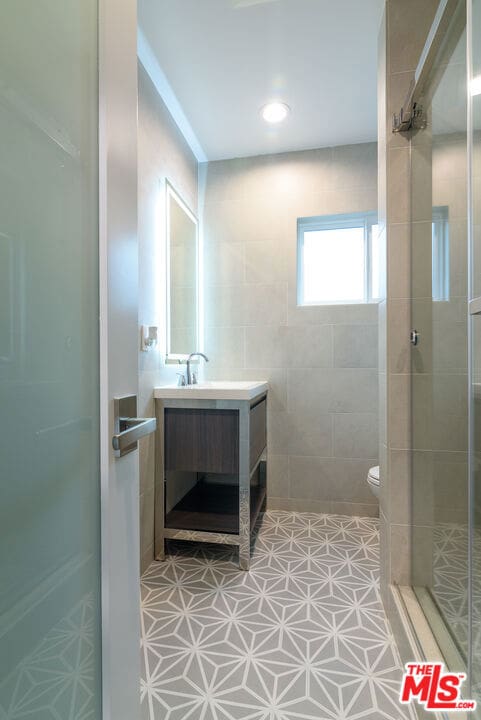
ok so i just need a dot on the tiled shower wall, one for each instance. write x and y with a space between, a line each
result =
163 154
446 429
321 362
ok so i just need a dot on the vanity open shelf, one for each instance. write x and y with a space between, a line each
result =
214 507
211 464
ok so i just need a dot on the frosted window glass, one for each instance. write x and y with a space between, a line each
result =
333 265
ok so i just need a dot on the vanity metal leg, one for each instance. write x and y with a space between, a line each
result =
159 538
244 491
159 549
159 502
244 529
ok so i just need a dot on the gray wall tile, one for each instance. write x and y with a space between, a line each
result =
356 346
277 475
333 390
334 480
356 435
310 346
309 434
320 361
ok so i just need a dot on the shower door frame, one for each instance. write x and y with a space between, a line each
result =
427 646
471 417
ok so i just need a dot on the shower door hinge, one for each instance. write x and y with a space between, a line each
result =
411 119
414 338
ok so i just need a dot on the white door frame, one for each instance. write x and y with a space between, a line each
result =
118 284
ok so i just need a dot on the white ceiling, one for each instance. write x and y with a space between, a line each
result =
224 59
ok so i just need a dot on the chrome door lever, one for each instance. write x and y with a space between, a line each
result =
475 306
128 428
131 430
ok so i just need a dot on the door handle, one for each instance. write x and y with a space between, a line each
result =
131 430
128 428
475 306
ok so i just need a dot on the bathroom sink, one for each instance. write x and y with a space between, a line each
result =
214 390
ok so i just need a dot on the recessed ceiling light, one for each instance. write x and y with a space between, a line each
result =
275 112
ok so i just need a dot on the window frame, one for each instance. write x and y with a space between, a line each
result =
342 221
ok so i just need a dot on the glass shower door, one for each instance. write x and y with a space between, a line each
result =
475 310
49 364
440 533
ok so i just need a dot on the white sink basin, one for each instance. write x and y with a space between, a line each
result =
210 390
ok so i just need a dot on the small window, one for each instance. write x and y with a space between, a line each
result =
338 259
440 254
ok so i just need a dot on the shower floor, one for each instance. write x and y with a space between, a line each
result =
302 636
450 578
450 588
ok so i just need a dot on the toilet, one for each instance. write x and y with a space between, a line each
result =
373 480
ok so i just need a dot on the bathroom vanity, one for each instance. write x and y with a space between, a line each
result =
210 463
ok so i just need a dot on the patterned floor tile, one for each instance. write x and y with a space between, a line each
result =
301 636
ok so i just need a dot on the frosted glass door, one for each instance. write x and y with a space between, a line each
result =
49 385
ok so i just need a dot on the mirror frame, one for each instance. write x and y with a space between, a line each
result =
172 194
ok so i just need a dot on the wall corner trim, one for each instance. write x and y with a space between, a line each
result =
149 61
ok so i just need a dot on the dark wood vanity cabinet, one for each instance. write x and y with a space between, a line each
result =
223 446
198 440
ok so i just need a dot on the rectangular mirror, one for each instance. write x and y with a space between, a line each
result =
182 278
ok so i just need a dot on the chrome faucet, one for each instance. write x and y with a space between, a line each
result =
191 378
